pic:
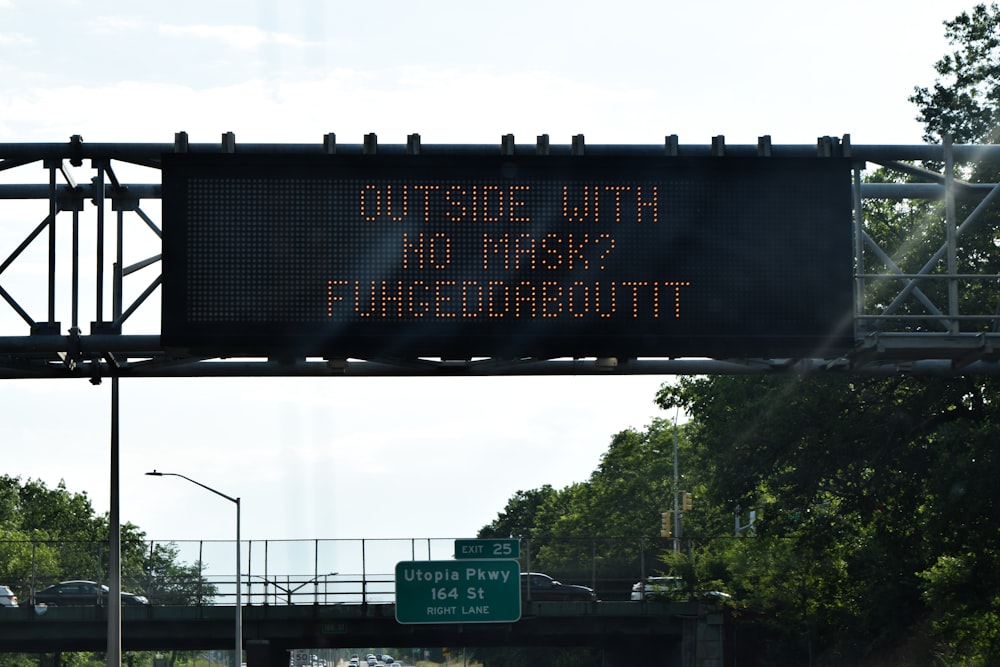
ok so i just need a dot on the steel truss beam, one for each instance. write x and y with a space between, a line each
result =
905 321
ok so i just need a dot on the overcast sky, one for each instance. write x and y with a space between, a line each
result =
368 457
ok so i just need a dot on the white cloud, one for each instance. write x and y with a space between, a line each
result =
244 37
112 24
13 38
444 105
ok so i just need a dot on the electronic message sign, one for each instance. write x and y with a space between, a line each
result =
476 255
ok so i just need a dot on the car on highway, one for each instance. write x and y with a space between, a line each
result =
718 597
79 592
538 587
672 589
7 597
657 588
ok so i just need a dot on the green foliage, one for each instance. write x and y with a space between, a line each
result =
876 496
862 484
965 100
173 583
968 608
566 532
46 533
50 535
875 501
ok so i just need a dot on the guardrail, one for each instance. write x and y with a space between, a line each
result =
312 571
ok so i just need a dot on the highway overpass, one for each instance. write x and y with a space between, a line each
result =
685 634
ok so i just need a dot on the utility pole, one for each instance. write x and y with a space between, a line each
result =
677 514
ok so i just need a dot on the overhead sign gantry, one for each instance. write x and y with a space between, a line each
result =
362 259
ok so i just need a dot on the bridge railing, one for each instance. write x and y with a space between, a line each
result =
313 571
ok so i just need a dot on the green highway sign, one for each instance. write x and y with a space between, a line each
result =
481 591
500 548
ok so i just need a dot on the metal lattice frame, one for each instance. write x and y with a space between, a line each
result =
105 322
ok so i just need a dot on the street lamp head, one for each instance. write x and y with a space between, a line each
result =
155 473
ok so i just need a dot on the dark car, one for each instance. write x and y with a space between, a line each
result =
537 587
82 593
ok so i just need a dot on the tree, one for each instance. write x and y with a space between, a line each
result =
888 476
860 483
965 100
960 583
876 500
49 535
567 530
169 582
518 518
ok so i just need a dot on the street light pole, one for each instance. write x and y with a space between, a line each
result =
238 650
677 514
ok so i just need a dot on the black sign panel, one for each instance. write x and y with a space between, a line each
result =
523 256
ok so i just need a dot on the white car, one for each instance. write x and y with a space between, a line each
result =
656 587
7 597
671 588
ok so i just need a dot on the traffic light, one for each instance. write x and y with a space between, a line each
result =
686 500
666 524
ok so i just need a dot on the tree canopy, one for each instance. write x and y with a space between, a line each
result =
964 101
875 497
52 534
